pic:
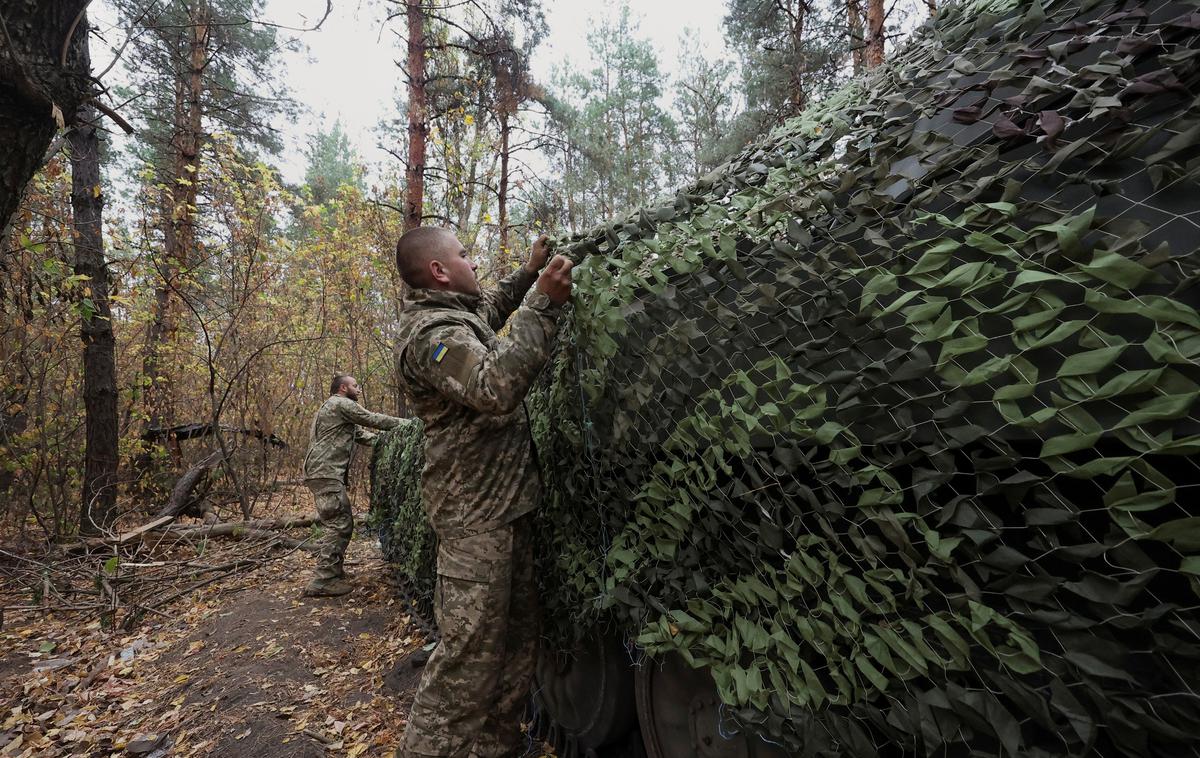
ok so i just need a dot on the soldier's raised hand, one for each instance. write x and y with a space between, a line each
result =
555 281
538 254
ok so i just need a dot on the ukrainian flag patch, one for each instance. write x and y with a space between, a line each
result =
439 352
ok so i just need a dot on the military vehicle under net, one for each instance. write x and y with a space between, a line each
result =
883 438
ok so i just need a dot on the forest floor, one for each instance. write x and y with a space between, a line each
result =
243 666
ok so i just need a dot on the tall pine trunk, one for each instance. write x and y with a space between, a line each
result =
858 42
418 127
179 224
98 505
875 18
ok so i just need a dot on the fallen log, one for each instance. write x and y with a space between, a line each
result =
155 524
198 477
232 528
236 531
223 528
161 528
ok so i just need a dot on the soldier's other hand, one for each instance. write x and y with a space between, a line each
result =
538 255
555 281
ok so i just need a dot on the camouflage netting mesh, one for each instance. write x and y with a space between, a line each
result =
404 533
892 421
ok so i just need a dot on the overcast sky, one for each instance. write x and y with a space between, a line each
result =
348 68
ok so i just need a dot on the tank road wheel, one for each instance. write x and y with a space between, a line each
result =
680 715
584 700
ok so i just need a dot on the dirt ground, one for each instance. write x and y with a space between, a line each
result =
241 667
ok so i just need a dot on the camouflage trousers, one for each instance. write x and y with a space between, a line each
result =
337 526
476 684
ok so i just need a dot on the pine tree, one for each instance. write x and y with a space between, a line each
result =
615 131
705 108
465 93
791 52
332 163
202 67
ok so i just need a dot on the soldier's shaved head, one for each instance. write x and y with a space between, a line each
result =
417 247
430 257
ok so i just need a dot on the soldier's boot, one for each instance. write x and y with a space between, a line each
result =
332 587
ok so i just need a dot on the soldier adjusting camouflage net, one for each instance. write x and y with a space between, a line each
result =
478 485
334 432
467 387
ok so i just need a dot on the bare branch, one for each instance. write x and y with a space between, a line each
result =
112 114
66 45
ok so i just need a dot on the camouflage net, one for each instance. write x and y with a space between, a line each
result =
396 513
892 421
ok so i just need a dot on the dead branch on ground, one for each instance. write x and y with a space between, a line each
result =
120 578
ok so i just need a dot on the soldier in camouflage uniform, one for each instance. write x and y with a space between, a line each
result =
479 485
335 429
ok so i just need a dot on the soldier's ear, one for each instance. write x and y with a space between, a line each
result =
437 272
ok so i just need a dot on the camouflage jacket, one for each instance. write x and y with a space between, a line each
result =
335 429
467 385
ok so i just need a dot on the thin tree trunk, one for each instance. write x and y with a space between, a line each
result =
472 173
99 362
162 328
162 324
179 224
418 127
572 205
468 195
502 195
875 18
858 43
483 199
799 97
